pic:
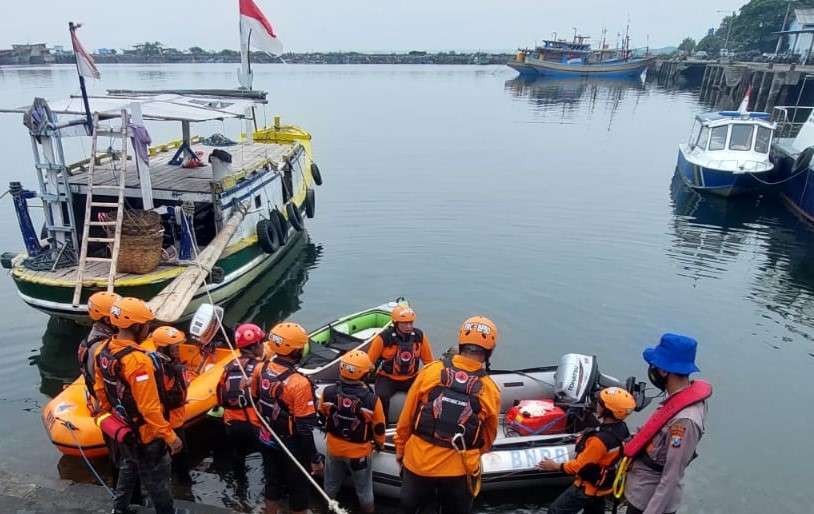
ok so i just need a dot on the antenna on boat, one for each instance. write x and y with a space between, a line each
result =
85 67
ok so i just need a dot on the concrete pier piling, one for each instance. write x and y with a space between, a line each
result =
723 85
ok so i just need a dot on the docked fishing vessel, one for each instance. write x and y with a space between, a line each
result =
201 215
560 58
792 155
542 410
728 153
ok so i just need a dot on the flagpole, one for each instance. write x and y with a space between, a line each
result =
89 120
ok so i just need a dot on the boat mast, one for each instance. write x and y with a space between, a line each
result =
88 119
245 76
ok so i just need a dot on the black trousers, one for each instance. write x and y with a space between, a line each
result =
282 475
451 493
574 499
633 510
385 389
151 464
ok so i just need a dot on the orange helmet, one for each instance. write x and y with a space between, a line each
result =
402 314
480 331
354 365
286 338
99 304
129 311
619 402
167 336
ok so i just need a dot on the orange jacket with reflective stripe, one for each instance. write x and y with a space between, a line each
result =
426 459
378 351
137 370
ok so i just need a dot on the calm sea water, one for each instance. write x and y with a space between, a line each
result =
548 206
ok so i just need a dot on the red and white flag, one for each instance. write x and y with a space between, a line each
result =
84 62
744 106
256 31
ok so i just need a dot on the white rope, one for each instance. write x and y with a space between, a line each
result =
71 427
332 503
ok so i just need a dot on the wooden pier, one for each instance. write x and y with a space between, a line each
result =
723 85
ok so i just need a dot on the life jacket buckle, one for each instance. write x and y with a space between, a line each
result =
457 440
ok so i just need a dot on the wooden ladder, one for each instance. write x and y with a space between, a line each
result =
90 203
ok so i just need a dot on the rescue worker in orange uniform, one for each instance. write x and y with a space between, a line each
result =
286 402
125 385
239 416
597 451
172 382
99 305
355 423
449 420
396 353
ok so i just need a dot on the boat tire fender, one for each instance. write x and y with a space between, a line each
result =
803 161
267 236
310 203
294 216
281 224
316 174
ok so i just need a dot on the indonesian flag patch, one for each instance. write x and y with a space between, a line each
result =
142 377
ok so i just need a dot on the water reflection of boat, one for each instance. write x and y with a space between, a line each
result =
710 233
568 95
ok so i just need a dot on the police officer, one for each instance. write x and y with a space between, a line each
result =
449 420
286 402
653 484
355 423
126 387
396 352
239 416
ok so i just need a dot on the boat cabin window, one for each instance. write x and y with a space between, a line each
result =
741 138
696 130
258 201
703 137
717 140
763 140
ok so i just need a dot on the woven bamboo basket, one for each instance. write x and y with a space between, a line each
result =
141 240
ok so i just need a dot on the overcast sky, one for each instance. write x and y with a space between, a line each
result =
363 25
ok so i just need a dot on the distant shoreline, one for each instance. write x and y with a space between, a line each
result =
229 56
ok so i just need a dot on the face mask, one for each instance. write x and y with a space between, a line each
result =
656 378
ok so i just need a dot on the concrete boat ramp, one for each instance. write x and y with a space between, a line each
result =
21 493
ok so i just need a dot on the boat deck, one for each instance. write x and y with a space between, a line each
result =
169 180
96 274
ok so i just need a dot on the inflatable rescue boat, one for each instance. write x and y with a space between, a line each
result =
542 411
71 427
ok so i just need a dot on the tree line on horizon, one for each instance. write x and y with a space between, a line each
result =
753 29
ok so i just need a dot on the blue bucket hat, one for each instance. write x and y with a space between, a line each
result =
675 353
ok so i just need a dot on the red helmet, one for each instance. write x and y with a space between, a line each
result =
248 334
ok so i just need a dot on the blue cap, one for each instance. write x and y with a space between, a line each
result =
675 353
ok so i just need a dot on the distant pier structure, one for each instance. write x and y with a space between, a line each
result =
724 84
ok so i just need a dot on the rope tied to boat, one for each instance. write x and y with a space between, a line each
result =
333 504
71 429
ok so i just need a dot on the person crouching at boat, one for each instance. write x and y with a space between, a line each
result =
286 402
99 305
597 451
171 381
239 417
355 422
396 352
125 385
665 445
449 420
